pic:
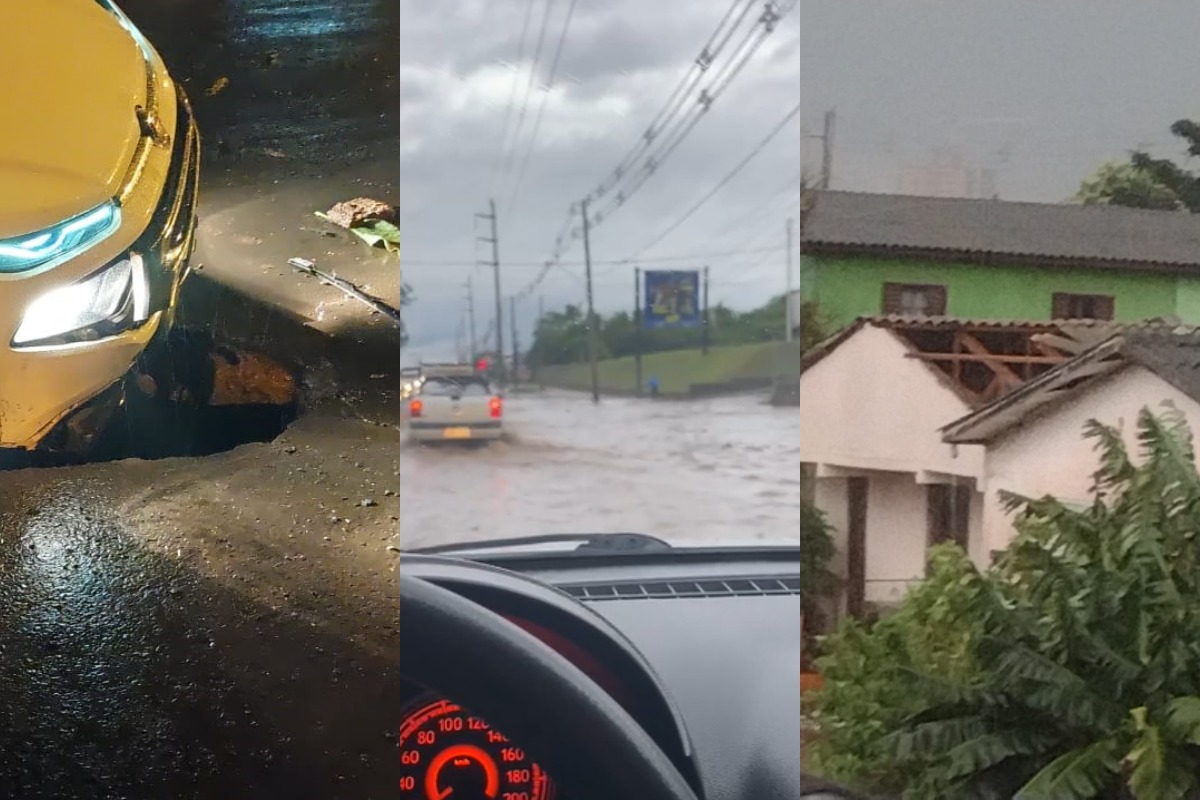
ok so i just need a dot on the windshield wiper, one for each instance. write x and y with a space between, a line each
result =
588 542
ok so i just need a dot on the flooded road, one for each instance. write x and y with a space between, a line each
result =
724 468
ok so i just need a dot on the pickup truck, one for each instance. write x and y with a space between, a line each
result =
455 407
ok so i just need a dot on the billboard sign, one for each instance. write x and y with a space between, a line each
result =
672 299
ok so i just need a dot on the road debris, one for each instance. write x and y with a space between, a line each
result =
373 221
349 288
217 87
245 378
352 213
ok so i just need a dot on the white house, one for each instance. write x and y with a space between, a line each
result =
1034 436
873 402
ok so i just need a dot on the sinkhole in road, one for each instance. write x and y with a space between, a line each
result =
189 396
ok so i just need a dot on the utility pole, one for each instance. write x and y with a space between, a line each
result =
471 319
512 320
827 149
495 264
787 295
704 331
637 329
591 309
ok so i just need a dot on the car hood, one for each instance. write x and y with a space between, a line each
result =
71 78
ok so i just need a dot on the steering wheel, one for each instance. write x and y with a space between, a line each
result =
583 738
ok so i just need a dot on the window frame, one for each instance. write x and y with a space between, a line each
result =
893 292
1061 305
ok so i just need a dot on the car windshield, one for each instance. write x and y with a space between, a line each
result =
608 233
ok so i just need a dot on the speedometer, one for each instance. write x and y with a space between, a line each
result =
446 753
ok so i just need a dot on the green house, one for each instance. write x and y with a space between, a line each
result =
871 254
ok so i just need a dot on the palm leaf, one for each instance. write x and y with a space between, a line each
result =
1080 774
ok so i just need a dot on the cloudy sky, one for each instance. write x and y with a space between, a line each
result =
464 79
1042 92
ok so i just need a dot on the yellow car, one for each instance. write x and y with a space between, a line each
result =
99 162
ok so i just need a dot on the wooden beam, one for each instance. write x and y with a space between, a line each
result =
1002 370
1000 359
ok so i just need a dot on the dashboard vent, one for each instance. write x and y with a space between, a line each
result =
657 590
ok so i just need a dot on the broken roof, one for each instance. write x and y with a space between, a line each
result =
977 359
1170 352
1002 231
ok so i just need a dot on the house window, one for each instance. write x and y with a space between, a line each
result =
949 513
1081 306
914 299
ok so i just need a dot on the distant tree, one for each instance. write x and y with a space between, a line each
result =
1148 182
1125 184
1185 184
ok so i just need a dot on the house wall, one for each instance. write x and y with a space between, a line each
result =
867 405
897 532
896 536
847 288
1048 454
868 410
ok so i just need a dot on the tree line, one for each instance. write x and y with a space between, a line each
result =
561 337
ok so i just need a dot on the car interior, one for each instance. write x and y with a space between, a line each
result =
615 669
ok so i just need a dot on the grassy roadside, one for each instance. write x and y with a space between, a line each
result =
677 370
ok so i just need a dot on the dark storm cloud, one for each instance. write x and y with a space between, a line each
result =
620 63
1041 92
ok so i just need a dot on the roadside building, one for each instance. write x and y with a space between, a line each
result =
1033 437
867 254
875 398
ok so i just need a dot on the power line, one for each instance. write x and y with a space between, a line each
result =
693 75
537 56
724 181
537 122
708 96
512 94
697 69
563 264
767 22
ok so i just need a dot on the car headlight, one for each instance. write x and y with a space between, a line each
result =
112 300
50 247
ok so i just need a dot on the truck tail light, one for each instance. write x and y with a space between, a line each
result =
414 408
495 407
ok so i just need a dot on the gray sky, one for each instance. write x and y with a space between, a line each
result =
1062 85
620 62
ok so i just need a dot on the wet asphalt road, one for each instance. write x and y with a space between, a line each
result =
700 470
124 674
210 658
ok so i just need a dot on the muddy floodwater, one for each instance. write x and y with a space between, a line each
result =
725 468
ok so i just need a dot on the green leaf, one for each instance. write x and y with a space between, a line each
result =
377 231
1183 720
1079 774
1157 771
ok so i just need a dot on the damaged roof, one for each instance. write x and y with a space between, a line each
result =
1170 352
1088 331
1002 231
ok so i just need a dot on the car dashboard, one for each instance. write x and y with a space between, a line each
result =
700 646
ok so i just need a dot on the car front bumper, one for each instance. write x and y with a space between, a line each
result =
40 387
